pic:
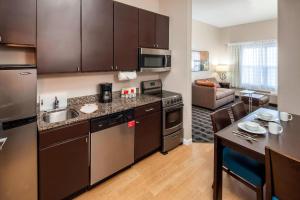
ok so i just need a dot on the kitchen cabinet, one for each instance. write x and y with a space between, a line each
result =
148 130
162 31
153 30
147 29
18 22
58 36
63 161
125 37
97 35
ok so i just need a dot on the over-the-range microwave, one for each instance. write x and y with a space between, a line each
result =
154 60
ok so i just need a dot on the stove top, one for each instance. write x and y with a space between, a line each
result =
168 98
166 94
155 88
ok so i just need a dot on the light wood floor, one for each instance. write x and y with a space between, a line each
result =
184 174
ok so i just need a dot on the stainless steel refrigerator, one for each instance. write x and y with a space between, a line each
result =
18 132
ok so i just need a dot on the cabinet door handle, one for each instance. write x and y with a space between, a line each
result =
78 69
2 142
149 110
112 67
0 38
116 67
137 122
86 140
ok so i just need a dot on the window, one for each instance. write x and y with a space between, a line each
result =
258 65
200 61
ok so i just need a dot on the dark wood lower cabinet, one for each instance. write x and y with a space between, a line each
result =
147 135
64 166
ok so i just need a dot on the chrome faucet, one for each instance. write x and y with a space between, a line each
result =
56 103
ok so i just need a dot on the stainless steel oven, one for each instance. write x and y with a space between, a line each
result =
172 119
172 115
154 60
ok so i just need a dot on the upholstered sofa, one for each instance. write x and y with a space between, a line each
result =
211 97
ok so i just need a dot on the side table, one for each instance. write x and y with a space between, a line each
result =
224 84
249 94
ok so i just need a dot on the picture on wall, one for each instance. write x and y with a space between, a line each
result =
200 61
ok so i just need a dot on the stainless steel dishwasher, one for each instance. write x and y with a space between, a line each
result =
112 144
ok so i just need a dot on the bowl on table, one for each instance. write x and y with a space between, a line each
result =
265 116
252 126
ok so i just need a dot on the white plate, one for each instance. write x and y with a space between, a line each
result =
261 130
89 108
270 120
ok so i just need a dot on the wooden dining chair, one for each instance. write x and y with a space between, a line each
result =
238 111
220 119
245 169
282 176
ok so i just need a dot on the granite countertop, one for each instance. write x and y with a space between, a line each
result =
118 104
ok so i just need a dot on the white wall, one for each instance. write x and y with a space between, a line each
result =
289 60
86 83
264 30
206 37
179 79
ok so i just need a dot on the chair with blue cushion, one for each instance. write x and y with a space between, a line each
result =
282 176
243 168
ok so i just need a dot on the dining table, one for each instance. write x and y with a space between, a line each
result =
286 143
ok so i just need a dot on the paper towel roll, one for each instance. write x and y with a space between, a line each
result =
125 76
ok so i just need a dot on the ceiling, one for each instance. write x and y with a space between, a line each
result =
224 13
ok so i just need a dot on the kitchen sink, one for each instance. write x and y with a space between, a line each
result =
60 115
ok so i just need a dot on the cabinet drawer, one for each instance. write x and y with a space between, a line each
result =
47 138
148 109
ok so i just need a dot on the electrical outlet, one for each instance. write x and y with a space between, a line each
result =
47 101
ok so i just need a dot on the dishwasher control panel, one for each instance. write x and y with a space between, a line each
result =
111 120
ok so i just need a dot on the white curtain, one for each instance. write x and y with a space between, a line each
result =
254 65
234 66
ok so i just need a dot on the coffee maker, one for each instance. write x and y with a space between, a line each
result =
105 92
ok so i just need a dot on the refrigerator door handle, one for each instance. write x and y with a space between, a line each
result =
2 142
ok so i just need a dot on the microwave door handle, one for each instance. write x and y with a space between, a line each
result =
166 60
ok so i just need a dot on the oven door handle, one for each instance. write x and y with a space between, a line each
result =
180 106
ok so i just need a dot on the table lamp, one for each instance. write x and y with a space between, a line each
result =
222 70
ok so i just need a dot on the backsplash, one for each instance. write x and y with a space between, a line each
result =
84 84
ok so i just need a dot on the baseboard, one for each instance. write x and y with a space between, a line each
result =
187 141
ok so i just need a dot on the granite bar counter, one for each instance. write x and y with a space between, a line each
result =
117 105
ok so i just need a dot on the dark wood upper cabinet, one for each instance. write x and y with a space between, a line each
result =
58 36
162 31
18 22
147 29
125 37
153 30
97 35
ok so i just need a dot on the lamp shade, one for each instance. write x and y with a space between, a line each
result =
222 68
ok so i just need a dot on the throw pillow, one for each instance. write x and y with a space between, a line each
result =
205 83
